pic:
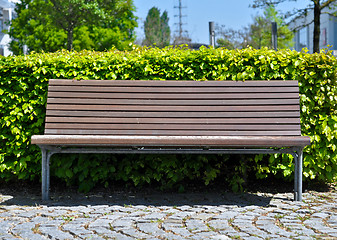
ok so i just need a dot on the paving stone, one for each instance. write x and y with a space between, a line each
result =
327 230
168 226
333 234
151 229
126 209
195 226
220 237
44 222
28 214
264 222
7 214
226 215
101 222
202 216
202 235
253 231
114 216
32 236
5 226
218 224
25 231
7 237
100 230
94 237
184 208
171 236
252 238
120 224
154 216
332 219
115 235
76 230
160 219
134 233
181 231
53 213
101 210
55 233
273 229
238 235
305 232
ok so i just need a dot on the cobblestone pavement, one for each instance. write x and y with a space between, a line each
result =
170 216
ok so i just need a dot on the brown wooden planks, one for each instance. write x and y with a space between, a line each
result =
109 120
177 114
180 83
192 102
172 96
173 141
169 126
173 89
147 108
155 132
187 108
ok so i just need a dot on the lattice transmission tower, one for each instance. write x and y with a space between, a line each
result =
181 36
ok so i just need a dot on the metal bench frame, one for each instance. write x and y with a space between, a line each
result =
48 151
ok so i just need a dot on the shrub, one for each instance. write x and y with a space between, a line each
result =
23 90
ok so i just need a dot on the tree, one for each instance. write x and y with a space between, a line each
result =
260 31
230 38
50 25
257 34
165 28
156 28
316 5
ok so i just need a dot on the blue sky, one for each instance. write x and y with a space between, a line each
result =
232 13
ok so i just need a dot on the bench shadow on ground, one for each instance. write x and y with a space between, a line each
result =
146 197
259 193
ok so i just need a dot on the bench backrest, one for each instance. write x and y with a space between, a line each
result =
169 108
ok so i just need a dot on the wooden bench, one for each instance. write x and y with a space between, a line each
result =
135 116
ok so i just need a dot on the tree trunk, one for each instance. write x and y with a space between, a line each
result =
317 25
70 39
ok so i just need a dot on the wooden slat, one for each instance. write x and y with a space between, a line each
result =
172 120
180 96
177 114
194 102
173 89
174 108
181 83
167 126
173 141
169 132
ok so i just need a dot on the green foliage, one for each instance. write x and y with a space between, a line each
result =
156 28
258 34
315 7
72 24
23 91
230 38
260 30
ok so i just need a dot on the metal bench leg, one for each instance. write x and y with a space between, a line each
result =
46 154
298 158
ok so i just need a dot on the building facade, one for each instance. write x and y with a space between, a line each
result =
7 13
304 31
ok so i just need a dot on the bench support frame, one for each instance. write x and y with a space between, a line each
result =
48 151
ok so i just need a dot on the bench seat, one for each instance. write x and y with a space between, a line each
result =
172 141
144 116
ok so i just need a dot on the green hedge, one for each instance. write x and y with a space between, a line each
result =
23 91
